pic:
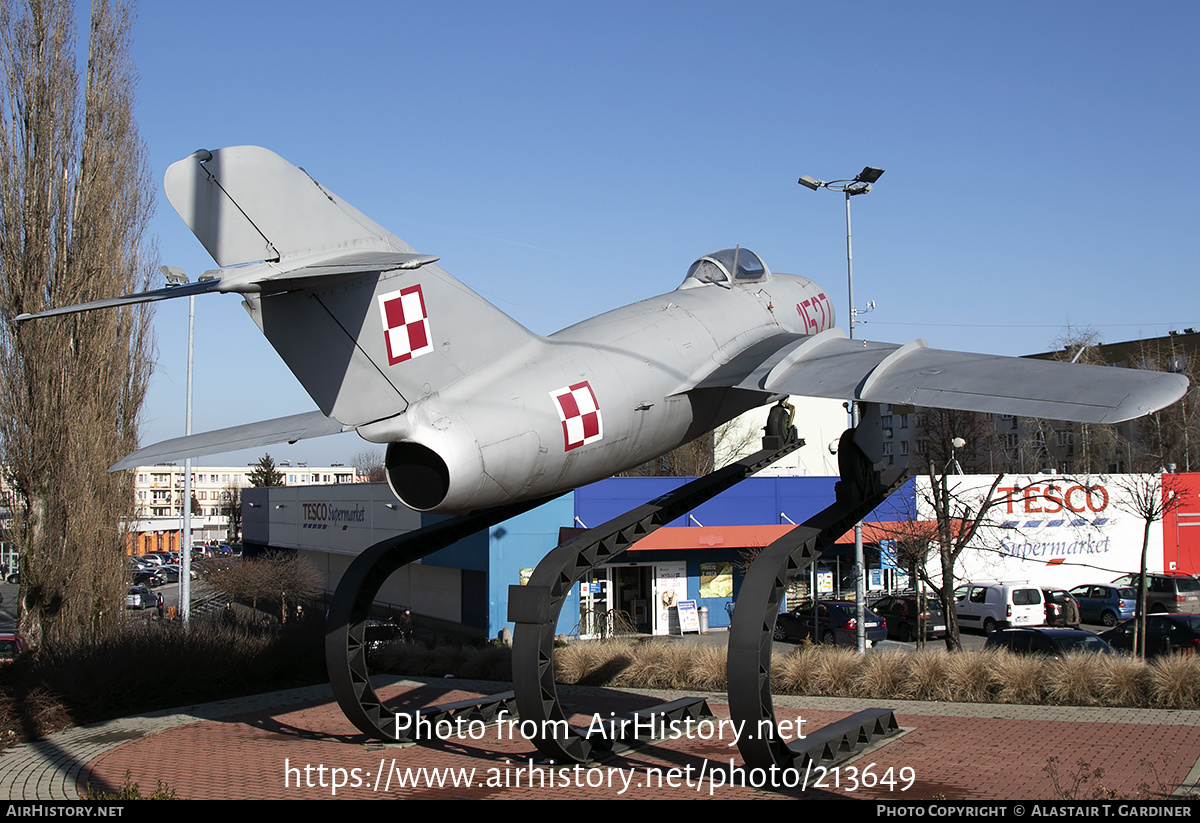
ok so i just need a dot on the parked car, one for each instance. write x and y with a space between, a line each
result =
170 572
903 612
1165 634
1105 603
1175 593
1054 642
11 644
148 578
837 623
991 605
139 597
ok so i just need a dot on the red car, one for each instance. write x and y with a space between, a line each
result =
11 645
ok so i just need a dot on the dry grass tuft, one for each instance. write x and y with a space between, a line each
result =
883 675
795 672
1019 679
592 664
972 677
929 676
1074 681
1123 681
657 665
1175 681
837 670
707 669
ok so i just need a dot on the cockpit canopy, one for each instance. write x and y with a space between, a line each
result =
727 267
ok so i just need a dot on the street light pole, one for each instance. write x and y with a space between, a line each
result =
176 277
861 184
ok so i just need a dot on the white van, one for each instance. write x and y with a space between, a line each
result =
991 605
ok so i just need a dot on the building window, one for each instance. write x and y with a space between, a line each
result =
1064 438
1010 441
903 448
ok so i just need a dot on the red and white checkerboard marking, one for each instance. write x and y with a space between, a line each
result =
580 415
405 324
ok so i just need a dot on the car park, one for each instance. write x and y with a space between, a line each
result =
1165 634
905 617
991 605
1055 642
1105 603
1174 593
836 623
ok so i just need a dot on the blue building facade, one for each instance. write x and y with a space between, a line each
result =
694 558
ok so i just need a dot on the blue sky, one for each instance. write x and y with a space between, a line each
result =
567 158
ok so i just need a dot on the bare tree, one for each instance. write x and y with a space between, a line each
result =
75 200
1149 498
963 518
698 457
369 463
277 577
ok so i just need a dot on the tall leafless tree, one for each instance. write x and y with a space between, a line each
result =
75 201
1150 498
369 463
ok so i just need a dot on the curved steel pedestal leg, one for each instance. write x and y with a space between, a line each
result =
535 607
750 637
345 649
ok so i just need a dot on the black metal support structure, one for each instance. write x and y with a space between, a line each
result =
534 608
750 637
345 651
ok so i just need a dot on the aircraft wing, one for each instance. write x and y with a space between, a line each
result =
831 365
280 430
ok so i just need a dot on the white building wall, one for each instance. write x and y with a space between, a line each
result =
819 422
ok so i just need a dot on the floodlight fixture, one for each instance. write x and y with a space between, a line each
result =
857 187
811 182
869 174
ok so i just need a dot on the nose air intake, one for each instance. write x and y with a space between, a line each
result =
417 475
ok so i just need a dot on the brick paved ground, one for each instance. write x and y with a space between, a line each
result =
259 748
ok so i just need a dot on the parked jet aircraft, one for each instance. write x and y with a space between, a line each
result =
476 410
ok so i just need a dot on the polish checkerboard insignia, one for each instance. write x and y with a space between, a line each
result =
405 324
579 413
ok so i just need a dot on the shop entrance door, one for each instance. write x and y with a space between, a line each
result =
631 589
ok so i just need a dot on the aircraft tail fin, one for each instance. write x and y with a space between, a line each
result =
246 204
364 322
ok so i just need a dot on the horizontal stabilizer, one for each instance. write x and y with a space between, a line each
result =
269 278
280 430
831 365
200 287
